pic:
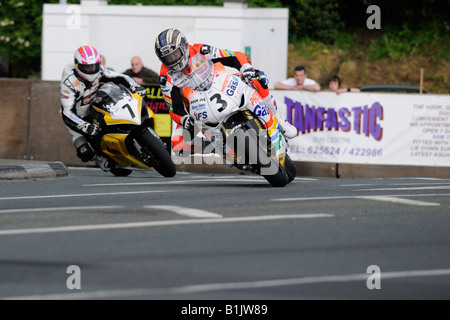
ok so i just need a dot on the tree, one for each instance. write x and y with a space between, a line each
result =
20 35
21 22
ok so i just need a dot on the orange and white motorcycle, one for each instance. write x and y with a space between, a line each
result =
240 126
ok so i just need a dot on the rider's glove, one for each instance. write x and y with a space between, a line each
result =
140 90
263 80
248 73
188 123
89 128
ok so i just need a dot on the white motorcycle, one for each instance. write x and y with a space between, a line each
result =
229 113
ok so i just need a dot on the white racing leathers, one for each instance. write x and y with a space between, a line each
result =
77 95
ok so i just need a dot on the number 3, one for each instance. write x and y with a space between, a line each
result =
224 104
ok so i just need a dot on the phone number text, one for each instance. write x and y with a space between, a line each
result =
354 151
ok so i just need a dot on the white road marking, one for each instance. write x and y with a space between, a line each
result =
83 195
407 189
59 209
189 212
260 179
249 179
417 178
391 198
248 285
400 200
395 184
146 224
313 198
85 168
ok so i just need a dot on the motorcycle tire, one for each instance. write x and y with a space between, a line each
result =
246 137
121 172
280 179
163 164
291 169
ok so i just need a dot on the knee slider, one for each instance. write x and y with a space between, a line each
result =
85 152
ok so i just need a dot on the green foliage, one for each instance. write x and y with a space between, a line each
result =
397 43
265 4
168 2
408 26
316 19
20 35
344 41
310 49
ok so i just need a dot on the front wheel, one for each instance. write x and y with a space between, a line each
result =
253 147
121 172
279 179
160 158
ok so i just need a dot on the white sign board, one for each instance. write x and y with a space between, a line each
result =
120 32
368 128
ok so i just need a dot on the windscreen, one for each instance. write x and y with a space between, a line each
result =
110 93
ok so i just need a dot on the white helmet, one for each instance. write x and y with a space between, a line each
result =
87 63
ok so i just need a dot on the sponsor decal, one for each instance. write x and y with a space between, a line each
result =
261 110
88 98
201 115
205 49
232 86
255 98
361 119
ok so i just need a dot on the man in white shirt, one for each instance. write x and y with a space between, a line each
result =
298 82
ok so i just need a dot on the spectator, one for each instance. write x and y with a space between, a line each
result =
141 74
334 84
103 63
298 82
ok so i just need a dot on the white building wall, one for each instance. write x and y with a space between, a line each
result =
120 32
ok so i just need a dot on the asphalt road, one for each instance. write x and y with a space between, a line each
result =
223 237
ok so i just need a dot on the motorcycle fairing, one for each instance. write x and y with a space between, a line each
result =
114 146
118 104
227 95
125 111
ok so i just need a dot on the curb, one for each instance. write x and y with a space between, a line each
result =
33 171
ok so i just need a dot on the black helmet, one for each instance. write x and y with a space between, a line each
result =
171 47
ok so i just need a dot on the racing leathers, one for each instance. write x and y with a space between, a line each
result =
174 83
76 96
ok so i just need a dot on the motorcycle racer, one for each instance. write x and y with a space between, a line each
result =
182 69
80 82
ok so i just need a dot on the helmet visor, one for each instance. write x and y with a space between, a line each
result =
89 68
173 58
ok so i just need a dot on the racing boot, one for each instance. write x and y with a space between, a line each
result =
288 130
104 163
